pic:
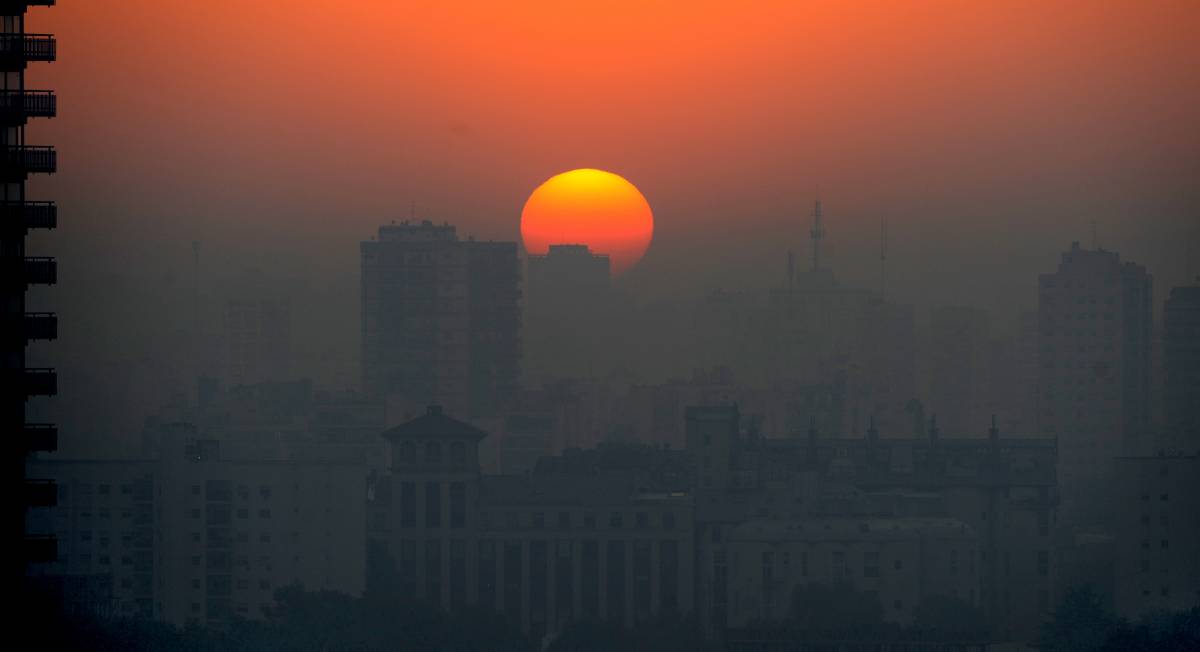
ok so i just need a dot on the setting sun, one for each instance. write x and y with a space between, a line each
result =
599 209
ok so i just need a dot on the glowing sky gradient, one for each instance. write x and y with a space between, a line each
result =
280 133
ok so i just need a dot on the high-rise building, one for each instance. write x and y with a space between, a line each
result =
1181 362
256 328
440 317
17 49
566 272
1157 500
959 338
569 313
1094 321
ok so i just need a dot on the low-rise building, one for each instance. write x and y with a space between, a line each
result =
190 536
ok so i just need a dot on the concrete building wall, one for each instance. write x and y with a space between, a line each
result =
1158 535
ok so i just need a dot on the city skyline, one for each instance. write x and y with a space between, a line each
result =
624 326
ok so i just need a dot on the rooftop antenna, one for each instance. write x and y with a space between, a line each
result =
817 233
882 258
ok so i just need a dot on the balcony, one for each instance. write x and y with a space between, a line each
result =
41 326
41 493
18 106
24 215
41 549
18 49
41 382
40 270
41 437
23 160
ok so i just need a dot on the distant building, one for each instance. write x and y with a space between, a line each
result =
191 536
567 272
1001 489
1094 322
440 317
545 549
1181 362
568 310
725 527
902 562
256 330
1157 535
959 342
818 329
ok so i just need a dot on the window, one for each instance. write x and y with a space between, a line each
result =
408 504
564 520
614 520
539 520
458 504
433 452
433 504
668 520
1043 563
458 454
840 570
871 564
642 519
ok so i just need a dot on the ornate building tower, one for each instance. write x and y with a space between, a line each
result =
17 49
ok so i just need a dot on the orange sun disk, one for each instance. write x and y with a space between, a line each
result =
593 207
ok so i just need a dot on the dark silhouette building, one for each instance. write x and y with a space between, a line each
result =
1181 361
440 317
17 49
567 271
569 312
1094 322
724 528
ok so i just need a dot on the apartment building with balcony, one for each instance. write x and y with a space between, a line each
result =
18 214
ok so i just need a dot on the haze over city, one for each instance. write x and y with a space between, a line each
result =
582 242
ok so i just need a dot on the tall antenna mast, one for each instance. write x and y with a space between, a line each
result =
882 258
817 233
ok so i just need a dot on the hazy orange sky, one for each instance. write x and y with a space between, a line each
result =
255 118
281 133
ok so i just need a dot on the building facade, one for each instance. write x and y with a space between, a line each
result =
190 536
1094 323
1157 568
630 532
1001 490
543 549
440 317
19 48
1181 367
